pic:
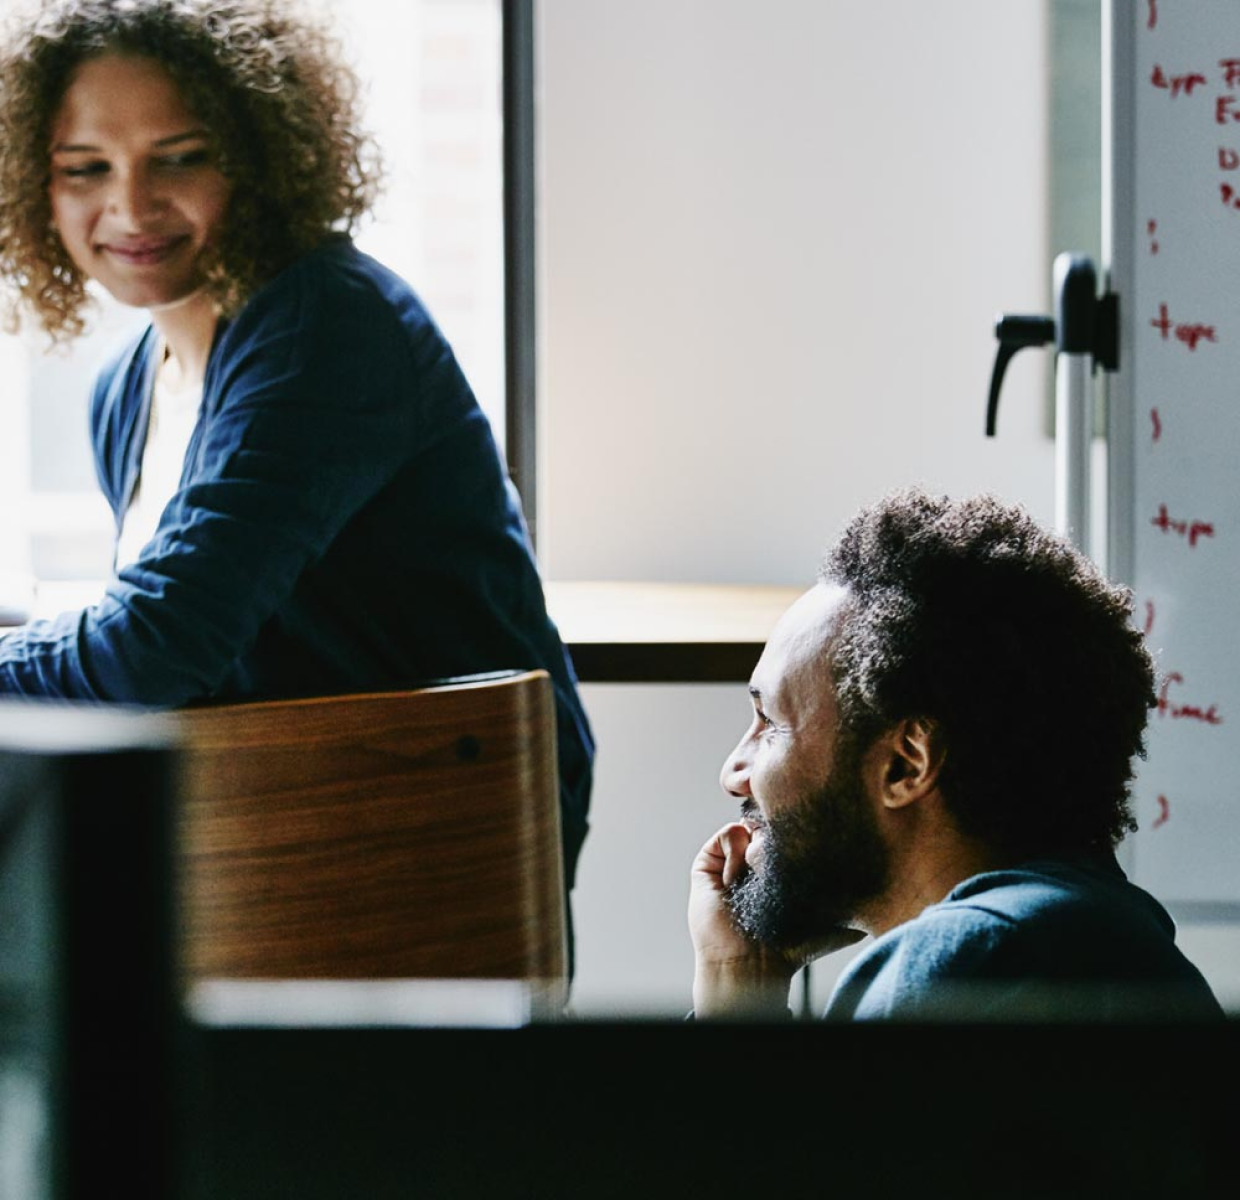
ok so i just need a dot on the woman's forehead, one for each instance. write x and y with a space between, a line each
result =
112 96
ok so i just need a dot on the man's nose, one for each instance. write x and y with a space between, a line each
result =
734 778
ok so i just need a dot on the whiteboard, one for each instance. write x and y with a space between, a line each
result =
1171 249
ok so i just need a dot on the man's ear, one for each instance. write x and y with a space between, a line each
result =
910 756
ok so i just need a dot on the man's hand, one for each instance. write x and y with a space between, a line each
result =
733 975
718 865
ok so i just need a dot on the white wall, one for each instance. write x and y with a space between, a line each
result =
775 235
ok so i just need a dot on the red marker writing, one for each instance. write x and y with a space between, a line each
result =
1188 333
1192 530
1177 85
1192 712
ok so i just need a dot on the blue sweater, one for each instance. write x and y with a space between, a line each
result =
1067 938
344 523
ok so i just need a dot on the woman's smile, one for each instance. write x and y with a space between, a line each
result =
149 252
136 196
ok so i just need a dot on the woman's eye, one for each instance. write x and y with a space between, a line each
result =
84 170
190 158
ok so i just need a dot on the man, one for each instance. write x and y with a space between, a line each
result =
940 757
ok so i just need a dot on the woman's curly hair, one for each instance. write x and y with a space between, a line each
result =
269 84
1023 655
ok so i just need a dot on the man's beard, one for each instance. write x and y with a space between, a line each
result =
820 861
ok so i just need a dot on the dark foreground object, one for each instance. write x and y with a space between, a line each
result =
591 1110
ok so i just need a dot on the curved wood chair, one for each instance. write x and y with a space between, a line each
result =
392 835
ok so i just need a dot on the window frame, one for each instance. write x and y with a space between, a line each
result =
520 294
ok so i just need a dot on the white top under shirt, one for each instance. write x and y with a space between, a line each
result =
172 419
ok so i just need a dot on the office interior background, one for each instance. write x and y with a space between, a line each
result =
772 241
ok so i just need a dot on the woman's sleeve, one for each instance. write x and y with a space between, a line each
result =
311 406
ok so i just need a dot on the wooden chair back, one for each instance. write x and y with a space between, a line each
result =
392 835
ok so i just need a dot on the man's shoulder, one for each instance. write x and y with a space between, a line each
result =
1010 939
959 936
1033 916
902 970
1047 889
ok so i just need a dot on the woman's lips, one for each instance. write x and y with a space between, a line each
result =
145 254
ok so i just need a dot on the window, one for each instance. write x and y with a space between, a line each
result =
432 70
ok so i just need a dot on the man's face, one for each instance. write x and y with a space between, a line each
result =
817 853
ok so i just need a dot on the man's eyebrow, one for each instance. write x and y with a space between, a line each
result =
190 135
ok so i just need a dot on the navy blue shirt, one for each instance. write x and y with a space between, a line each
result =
344 522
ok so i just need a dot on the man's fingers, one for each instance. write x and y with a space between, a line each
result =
734 839
723 855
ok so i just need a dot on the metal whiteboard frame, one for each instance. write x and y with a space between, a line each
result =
1118 147
1119 273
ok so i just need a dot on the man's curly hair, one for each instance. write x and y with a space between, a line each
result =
1018 650
268 83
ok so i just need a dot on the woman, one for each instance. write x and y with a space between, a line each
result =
308 497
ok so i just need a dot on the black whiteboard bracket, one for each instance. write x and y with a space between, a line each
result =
1106 339
1014 333
1084 324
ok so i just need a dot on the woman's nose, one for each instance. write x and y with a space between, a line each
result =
133 198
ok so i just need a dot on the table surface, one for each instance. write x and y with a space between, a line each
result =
630 632
624 631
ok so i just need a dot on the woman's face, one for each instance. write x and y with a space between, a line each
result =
136 195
